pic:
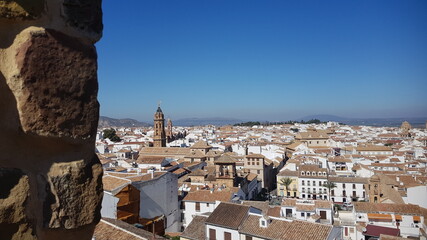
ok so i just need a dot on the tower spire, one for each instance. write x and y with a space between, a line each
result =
159 138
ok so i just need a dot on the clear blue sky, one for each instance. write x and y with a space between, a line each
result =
264 59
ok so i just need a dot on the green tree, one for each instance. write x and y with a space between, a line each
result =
286 182
329 185
111 134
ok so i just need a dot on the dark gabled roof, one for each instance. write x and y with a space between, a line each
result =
109 228
228 215
376 231
196 229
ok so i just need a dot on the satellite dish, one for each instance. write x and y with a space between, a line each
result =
364 229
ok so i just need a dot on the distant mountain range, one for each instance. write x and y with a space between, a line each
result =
185 122
126 122
388 122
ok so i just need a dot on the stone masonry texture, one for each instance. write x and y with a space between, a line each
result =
50 177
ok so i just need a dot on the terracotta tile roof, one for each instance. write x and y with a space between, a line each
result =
195 154
164 151
112 183
201 145
255 156
293 145
178 171
263 206
222 216
349 179
312 135
213 153
150 159
251 176
408 209
373 148
285 230
225 195
274 211
198 172
310 205
108 229
339 159
196 229
225 159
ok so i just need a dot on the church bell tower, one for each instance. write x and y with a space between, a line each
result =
159 138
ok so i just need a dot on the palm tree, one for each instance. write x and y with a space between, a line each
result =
329 185
286 182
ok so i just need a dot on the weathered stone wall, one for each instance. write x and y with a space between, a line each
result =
50 178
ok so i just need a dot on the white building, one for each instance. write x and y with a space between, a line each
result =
348 189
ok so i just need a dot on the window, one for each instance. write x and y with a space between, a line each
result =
303 183
212 234
227 236
354 186
302 214
197 207
303 189
302 173
308 173
343 185
248 237
258 171
207 204
308 214
314 183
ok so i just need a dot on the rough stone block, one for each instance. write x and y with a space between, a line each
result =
74 193
56 86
